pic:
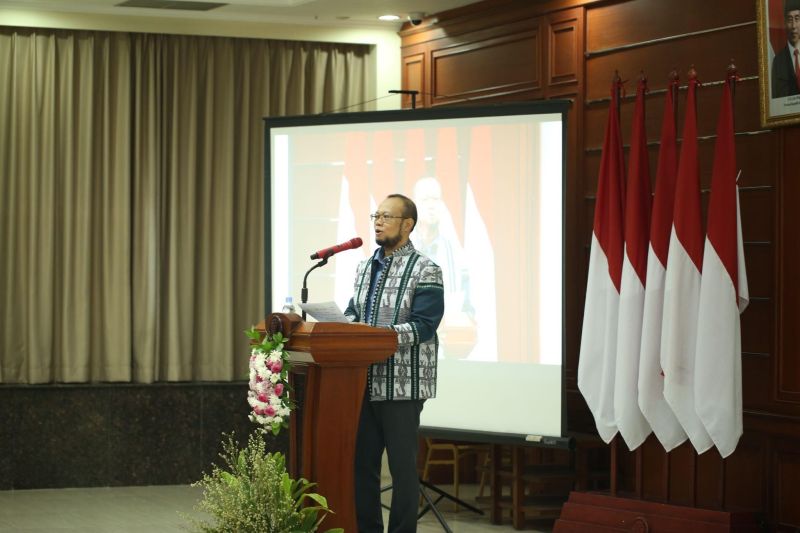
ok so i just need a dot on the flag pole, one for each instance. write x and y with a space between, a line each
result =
617 83
693 78
674 86
730 78
639 458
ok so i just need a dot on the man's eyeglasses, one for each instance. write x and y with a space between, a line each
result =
383 217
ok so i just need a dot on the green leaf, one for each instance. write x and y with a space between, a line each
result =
228 478
286 484
319 498
309 519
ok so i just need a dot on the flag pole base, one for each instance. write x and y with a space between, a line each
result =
600 513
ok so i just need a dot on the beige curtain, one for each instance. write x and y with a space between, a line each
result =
131 189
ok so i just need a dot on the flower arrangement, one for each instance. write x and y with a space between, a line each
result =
252 493
269 387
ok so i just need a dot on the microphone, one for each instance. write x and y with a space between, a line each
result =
327 252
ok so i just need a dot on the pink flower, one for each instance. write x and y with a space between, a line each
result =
278 389
277 366
263 398
269 411
259 379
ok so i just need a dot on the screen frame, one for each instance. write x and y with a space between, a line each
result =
437 113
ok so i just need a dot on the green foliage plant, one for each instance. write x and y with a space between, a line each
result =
252 493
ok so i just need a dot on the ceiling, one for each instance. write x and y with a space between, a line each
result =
341 13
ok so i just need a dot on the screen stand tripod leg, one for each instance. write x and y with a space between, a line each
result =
442 494
432 506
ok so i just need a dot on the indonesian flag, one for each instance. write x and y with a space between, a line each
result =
651 379
723 296
599 337
682 285
632 425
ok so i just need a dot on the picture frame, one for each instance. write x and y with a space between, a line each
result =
779 85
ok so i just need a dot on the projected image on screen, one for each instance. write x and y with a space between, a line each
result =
489 194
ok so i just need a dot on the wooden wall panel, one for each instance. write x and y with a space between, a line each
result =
413 77
654 480
581 43
661 58
787 378
710 480
510 64
564 46
787 473
682 467
708 98
750 463
623 23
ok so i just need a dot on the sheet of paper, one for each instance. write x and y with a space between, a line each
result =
324 312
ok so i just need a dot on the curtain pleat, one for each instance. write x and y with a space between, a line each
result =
131 189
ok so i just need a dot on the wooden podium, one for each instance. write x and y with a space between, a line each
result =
334 358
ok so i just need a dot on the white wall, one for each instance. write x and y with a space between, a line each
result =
385 43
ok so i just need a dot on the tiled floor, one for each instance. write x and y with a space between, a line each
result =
156 510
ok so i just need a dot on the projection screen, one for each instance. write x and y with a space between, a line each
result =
489 187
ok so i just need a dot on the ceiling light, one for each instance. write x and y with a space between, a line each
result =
389 18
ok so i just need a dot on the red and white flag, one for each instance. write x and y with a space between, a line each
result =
651 379
599 337
631 423
682 285
723 296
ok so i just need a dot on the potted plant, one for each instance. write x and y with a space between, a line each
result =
252 491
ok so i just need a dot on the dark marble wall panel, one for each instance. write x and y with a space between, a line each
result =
9 420
154 434
118 435
59 437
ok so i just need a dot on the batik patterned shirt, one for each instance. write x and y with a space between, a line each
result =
408 297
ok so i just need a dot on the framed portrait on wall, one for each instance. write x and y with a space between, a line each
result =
779 61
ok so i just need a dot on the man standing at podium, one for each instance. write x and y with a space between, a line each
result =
401 289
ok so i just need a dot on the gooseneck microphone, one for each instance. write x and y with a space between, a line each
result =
327 252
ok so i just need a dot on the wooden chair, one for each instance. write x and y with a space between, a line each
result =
451 454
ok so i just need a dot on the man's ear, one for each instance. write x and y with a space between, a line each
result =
409 224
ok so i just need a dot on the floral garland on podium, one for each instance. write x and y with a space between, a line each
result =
269 382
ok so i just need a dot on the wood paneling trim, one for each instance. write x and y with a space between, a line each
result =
717 50
498 65
594 53
701 138
483 15
655 92
786 472
563 52
413 78
787 369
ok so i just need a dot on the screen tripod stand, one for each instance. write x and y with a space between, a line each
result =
430 502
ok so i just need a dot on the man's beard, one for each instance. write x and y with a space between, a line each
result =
389 241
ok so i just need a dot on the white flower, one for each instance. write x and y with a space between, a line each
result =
277 420
274 378
260 366
283 411
275 355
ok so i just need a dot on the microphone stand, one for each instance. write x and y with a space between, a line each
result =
304 291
